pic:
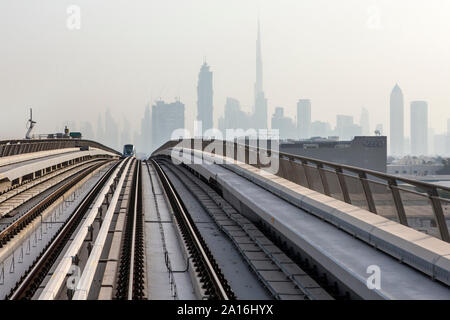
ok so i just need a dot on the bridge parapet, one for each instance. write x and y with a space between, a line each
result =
17 147
416 204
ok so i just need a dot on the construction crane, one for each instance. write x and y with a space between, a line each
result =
30 125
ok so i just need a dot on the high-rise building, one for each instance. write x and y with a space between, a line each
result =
345 128
320 129
205 98
419 128
234 117
430 141
111 131
396 134
285 126
439 144
145 144
166 118
364 122
304 118
260 105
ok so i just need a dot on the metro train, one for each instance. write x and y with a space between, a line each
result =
129 150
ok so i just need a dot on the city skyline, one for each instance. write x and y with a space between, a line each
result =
224 150
281 93
314 64
425 142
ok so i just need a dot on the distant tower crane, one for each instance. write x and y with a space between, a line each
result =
30 125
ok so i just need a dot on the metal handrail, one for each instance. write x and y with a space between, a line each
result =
392 182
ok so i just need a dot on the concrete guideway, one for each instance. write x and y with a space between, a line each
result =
26 246
28 191
280 276
15 173
84 284
344 256
20 158
167 276
58 276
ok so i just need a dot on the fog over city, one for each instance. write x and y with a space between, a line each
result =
342 55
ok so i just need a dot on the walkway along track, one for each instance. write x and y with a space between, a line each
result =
28 285
283 278
131 277
209 273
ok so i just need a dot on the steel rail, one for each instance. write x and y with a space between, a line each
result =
8 233
133 233
59 274
131 280
36 182
220 291
189 181
28 286
85 282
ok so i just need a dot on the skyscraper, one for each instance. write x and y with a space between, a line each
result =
345 128
234 117
111 131
419 128
304 118
320 129
364 122
205 97
166 118
396 138
145 144
260 106
285 125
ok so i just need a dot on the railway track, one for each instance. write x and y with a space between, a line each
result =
278 273
120 189
131 277
213 282
29 283
14 227
28 190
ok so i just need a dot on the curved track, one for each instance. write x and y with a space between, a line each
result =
28 285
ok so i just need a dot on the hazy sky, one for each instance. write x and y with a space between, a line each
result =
130 52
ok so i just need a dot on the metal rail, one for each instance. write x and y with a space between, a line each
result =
396 198
15 227
28 185
167 260
53 286
133 232
135 260
218 287
201 192
28 286
84 284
